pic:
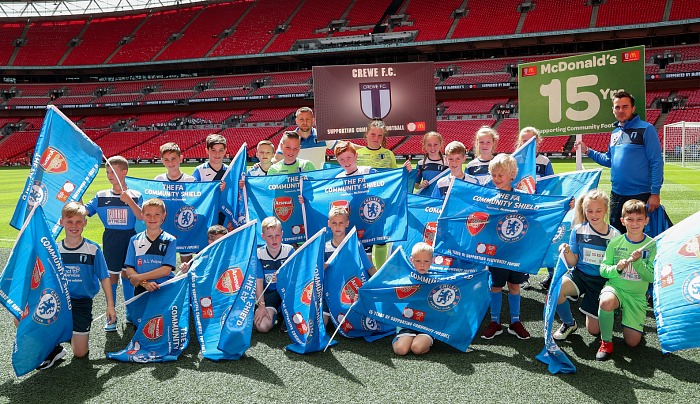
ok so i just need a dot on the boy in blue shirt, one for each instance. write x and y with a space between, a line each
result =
150 259
118 209
86 270
271 256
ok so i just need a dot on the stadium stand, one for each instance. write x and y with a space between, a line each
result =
11 31
546 16
654 95
204 31
153 34
612 13
684 9
236 136
479 20
432 23
47 41
692 97
157 118
101 39
126 144
270 90
679 115
252 34
300 27
270 114
478 78
216 116
222 93
103 121
475 106
186 139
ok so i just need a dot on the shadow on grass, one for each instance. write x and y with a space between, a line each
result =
247 366
326 361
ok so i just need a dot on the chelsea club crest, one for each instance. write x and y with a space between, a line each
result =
444 297
371 209
186 218
512 227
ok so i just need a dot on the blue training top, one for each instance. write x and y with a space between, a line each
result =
114 214
635 158
145 255
590 247
85 268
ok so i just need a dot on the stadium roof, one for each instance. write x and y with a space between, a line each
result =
14 9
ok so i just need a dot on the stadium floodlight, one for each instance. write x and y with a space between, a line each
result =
681 144
39 8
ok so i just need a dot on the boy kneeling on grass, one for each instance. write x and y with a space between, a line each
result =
86 270
629 267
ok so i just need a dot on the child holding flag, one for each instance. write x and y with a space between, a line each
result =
408 340
271 256
433 163
214 168
290 163
264 152
86 270
503 169
456 154
629 268
543 168
589 238
150 259
376 155
485 143
118 209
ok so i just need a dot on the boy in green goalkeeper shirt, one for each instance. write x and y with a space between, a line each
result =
290 164
629 268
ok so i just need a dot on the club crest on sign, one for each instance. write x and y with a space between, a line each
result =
527 184
53 162
561 231
37 274
403 292
38 194
476 222
153 329
371 209
230 281
666 276
375 99
300 323
283 207
48 309
429 232
306 293
186 218
512 227
444 297
369 324
691 288
691 248
349 291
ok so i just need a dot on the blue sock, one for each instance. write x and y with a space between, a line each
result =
114 293
128 294
564 311
496 302
514 304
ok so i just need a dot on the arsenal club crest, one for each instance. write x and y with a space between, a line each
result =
230 281
37 274
283 207
53 162
429 232
153 329
476 222
403 292
691 248
349 292
527 184
306 294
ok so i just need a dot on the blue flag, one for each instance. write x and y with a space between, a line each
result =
421 216
231 198
300 283
677 285
238 324
217 275
659 222
64 164
427 191
448 306
526 157
277 195
191 208
163 327
376 202
33 288
556 360
493 227
344 276
574 184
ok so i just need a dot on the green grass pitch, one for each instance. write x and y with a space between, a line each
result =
501 370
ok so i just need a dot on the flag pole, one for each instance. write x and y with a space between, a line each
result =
339 325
